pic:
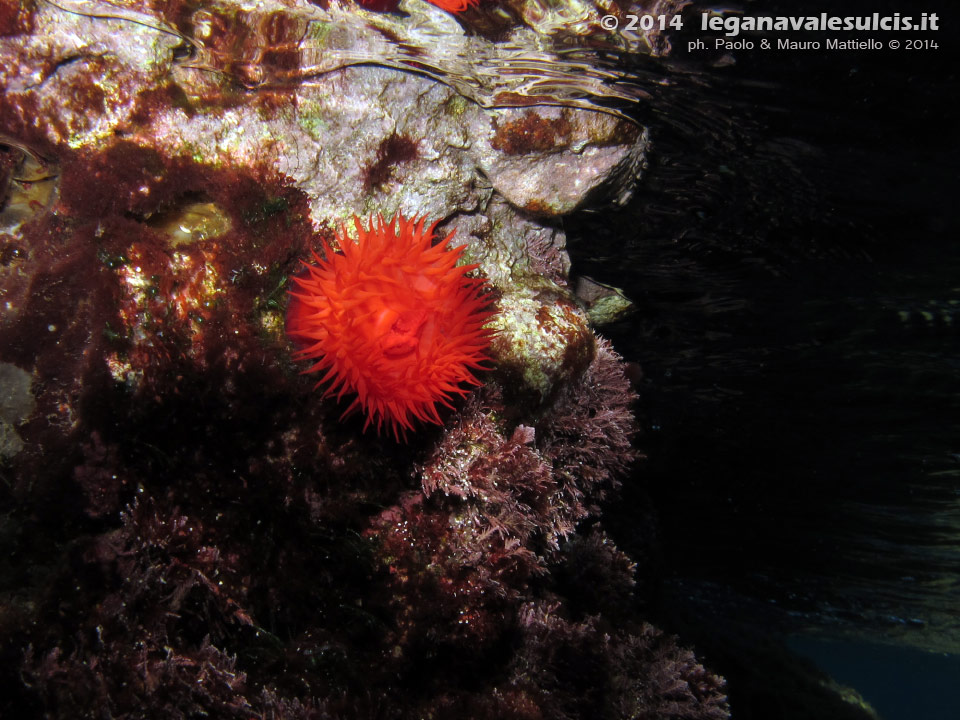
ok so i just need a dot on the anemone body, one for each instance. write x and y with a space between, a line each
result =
454 6
392 319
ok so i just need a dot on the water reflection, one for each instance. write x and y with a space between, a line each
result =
795 276
575 65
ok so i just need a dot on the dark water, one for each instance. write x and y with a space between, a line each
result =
797 281
901 683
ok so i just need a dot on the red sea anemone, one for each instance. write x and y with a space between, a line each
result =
393 319
454 6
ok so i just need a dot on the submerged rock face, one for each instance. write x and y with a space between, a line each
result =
16 405
231 545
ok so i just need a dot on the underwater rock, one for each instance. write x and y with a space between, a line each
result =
547 161
542 340
542 336
16 405
75 79
199 532
605 303
28 185
353 139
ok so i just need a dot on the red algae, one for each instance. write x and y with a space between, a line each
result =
22 118
379 5
16 17
393 150
158 99
93 289
532 133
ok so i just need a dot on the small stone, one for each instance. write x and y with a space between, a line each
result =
542 341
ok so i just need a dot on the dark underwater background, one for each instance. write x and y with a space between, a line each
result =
795 264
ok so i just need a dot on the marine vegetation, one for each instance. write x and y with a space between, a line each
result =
191 530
